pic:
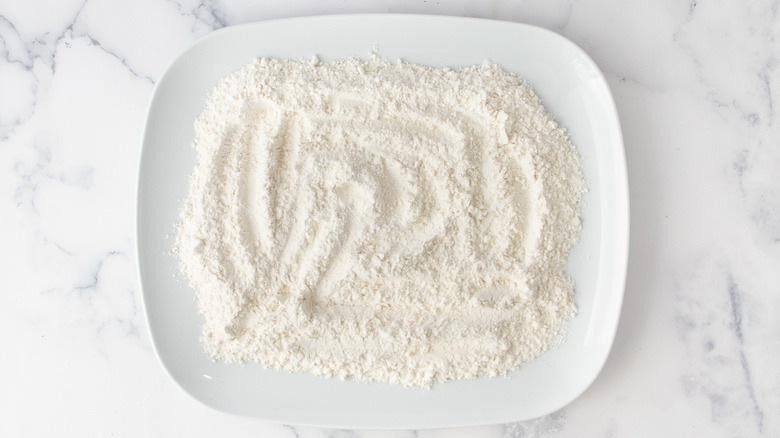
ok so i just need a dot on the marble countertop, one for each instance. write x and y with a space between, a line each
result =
697 85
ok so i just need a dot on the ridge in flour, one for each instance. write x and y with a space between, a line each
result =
385 222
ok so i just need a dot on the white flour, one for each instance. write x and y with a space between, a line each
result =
380 221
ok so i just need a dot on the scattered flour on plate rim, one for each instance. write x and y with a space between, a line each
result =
379 221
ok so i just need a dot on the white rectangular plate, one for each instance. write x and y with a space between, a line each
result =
571 87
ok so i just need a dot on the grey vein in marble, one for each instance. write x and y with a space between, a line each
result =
735 297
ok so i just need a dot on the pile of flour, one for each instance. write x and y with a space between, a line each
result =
380 221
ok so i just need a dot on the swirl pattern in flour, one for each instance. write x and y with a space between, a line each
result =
380 221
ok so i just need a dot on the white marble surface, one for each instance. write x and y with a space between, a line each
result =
698 90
